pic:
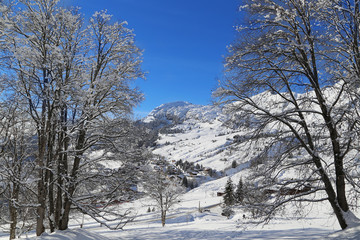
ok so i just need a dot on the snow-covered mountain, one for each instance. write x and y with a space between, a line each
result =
196 133
176 112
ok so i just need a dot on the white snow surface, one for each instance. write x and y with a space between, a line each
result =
185 222
72 234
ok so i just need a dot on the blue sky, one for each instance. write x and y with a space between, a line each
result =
183 41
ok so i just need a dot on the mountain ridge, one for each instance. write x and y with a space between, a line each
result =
175 112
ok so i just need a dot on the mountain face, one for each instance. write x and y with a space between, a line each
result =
178 112
216 137
194 133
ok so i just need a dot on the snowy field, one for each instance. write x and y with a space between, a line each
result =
187 223
194 225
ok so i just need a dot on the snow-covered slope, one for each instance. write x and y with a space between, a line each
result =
176 112
202 135
199 134
195 133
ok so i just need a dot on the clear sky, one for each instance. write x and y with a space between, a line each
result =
183 41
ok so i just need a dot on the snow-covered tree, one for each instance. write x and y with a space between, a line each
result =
16 150
302 57
75 79
163 191
240 192
229 198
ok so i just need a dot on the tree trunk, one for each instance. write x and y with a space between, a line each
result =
163 217
50 174
40 228
336 150
332 198
51 202
62 165
42 144
13 210
13 219
340 185
64 221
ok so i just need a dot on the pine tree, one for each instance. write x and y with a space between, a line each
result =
239 194
234 164
185 182
229 193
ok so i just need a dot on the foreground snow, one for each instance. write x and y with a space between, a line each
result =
349 234
186 222
200 228
74 234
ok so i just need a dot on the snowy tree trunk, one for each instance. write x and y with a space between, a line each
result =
163 217
337 152
43 126
14 185
14 209
41 191
62 166
64 221
13 220
332 197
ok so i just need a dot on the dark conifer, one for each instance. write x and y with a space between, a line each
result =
239 194
229 199
185 182
234 164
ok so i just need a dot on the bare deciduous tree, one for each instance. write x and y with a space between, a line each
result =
165 192
74 80
287 57
16 151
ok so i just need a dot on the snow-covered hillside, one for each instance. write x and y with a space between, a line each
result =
205 135
181 111
198 134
